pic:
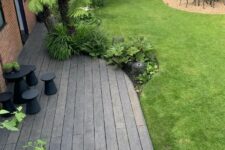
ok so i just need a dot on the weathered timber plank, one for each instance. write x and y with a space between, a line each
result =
55 143
78 137
123 142
110 131
132 132
56 67
89 140
142 129
67 138
61 103
100 141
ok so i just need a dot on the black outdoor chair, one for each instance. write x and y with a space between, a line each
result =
50 87
5 99
30 98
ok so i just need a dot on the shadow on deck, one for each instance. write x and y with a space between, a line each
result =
96 106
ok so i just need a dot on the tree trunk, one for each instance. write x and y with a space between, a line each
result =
63 9
46 17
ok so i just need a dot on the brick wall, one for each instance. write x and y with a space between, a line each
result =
10 39
30 17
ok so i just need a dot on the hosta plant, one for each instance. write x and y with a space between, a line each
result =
133 50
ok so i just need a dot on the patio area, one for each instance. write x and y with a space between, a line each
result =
96 106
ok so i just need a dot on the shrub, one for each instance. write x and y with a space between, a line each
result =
90 40
135 50
59 43
124 54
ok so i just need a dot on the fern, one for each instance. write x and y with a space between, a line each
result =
37 6
76 6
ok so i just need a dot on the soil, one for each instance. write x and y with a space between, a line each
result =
219 7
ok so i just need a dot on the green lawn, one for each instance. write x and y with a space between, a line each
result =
184 104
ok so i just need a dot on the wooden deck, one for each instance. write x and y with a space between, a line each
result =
96 107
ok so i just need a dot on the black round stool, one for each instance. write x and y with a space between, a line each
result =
5 99
31 77
50 87
32 105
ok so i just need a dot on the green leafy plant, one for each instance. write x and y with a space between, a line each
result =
135 50
117 55
59 43
151 69
13 123
7 68
124 53
83 16
37 6
75 6
90 40
36 145
98 3
16 66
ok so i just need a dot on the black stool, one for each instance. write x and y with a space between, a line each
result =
5 99
50 87
32 105
31 77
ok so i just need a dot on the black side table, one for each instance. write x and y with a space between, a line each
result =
31 77
50 87
20 84
5 99
30 98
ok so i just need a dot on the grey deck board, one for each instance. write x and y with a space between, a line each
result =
123 142
142 128
89 138
39 118
131 126
95 108
52 102
55 143
10 147
100 143
110 129
67 138
78 137
78 142
61 103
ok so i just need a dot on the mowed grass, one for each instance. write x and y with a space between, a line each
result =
184 104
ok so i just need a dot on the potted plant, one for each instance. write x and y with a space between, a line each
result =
16 66
7 68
